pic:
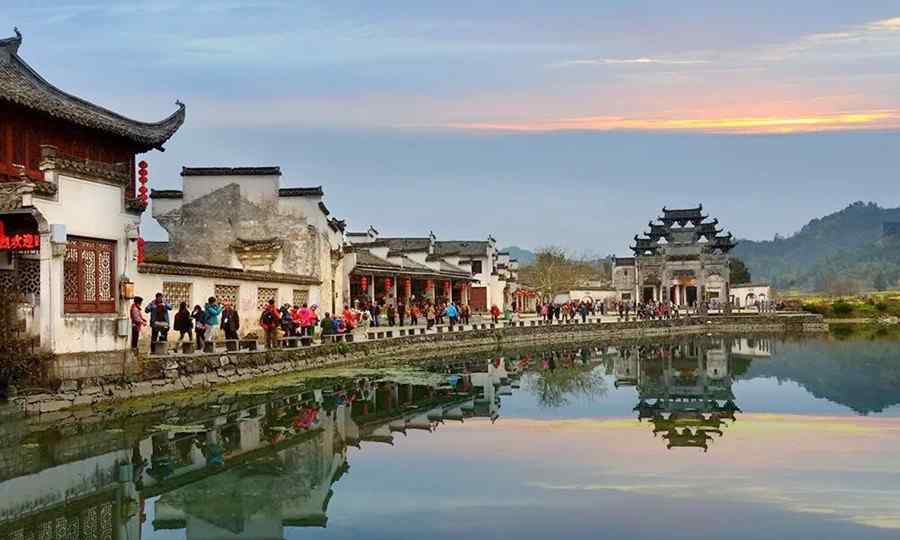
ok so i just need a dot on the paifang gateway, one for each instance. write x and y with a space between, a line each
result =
683 258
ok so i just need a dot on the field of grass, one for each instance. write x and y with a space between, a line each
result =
862 306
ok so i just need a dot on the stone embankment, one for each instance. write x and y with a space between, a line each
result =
174 373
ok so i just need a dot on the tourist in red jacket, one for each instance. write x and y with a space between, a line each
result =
269 322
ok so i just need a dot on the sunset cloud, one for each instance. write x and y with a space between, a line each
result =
877 119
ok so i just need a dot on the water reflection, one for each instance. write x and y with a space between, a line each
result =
251 465
246 466
684 390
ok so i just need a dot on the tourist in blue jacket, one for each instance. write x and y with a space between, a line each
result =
212 310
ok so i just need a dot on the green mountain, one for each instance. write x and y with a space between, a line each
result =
850 244
524 256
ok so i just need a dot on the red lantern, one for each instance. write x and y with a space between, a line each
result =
142 179
364 283
429 285
387 284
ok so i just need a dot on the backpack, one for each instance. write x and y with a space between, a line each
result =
267 317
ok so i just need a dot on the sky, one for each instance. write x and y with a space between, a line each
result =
566 123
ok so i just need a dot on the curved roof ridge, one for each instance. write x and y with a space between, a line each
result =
22 85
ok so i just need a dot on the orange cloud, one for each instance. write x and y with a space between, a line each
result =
875 119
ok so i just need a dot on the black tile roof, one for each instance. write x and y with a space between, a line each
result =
463 248
301 192
21 85
404 245
231 171
166 194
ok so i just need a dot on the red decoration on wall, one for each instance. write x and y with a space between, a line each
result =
142 179
407 285
140 251
364 283
19 241
429 285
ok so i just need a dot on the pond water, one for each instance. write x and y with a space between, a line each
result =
700 438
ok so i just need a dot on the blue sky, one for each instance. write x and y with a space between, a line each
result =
567 123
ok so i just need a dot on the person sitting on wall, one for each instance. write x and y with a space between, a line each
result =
183 324
268 320
159 318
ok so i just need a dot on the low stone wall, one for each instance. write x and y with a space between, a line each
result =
158 375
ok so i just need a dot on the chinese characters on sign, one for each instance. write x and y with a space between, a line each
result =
18 241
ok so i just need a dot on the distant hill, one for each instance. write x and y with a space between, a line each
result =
851 243
524 256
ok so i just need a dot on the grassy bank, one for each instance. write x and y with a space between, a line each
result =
864 306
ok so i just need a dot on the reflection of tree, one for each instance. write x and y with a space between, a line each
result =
555 387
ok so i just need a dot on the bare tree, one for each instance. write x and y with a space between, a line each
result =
554 271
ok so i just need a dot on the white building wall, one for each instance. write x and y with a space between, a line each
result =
93 210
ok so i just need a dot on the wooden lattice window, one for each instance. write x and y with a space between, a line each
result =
176 292
263 295
301 296
227 294
90 276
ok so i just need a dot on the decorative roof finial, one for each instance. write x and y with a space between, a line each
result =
12 44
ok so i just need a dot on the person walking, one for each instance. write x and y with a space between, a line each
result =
231 322
183 324
495 313
401 312
413 314
159 318
268 320
213 311
466 314
430 314
137 321
452 314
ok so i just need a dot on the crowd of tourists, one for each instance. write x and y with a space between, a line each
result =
201 323
205 323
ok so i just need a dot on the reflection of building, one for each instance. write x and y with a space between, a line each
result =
683 258
245 467
683 390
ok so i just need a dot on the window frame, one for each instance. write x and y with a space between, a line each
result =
78 304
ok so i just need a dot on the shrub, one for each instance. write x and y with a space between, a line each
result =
881 306
20 364
818 309
841 308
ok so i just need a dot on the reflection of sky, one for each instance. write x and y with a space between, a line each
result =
791 465
524 478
